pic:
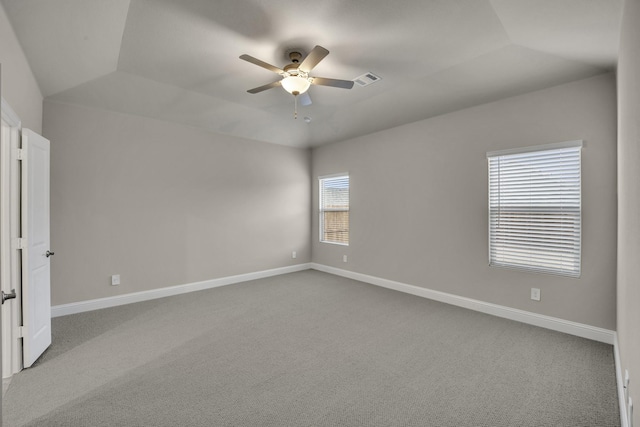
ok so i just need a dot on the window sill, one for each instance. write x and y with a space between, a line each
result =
334 243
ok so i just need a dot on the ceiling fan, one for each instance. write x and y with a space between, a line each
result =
295 76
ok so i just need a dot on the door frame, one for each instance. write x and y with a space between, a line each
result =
10 265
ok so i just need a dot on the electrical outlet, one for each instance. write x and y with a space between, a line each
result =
115 280
535 294
294 255
344 258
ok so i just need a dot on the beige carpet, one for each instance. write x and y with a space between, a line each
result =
310 349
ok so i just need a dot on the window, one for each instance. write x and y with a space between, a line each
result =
334 209
535 208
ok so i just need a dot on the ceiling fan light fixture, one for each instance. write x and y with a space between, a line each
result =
295 85
295 77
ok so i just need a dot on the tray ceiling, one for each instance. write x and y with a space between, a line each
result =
178 60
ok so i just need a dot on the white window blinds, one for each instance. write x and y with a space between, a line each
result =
334 209
535 209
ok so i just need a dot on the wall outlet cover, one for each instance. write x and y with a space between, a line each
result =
535 294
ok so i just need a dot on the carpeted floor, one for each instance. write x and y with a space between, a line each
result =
310 349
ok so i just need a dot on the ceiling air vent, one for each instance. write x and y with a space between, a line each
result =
366 79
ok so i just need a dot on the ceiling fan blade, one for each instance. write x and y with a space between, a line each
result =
264 87
323 81
316 55
262 64
305 99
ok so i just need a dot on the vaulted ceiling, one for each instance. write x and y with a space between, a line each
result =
177 60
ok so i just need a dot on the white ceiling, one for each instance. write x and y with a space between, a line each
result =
177 60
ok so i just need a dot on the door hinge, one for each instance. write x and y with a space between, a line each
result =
21 331
20 243
18 153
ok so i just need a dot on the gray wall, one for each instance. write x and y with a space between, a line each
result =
629 197
419 200
19 87
164 204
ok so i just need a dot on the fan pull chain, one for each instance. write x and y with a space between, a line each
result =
295 107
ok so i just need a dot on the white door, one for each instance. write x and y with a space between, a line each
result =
36 260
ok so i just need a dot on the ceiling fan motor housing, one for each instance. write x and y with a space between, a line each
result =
292 69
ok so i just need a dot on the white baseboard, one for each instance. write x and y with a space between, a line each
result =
548 322
96 304
624 422
553 323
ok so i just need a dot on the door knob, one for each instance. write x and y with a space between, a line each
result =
48 254
10 295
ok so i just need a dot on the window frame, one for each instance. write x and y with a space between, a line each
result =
557 264
322 209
